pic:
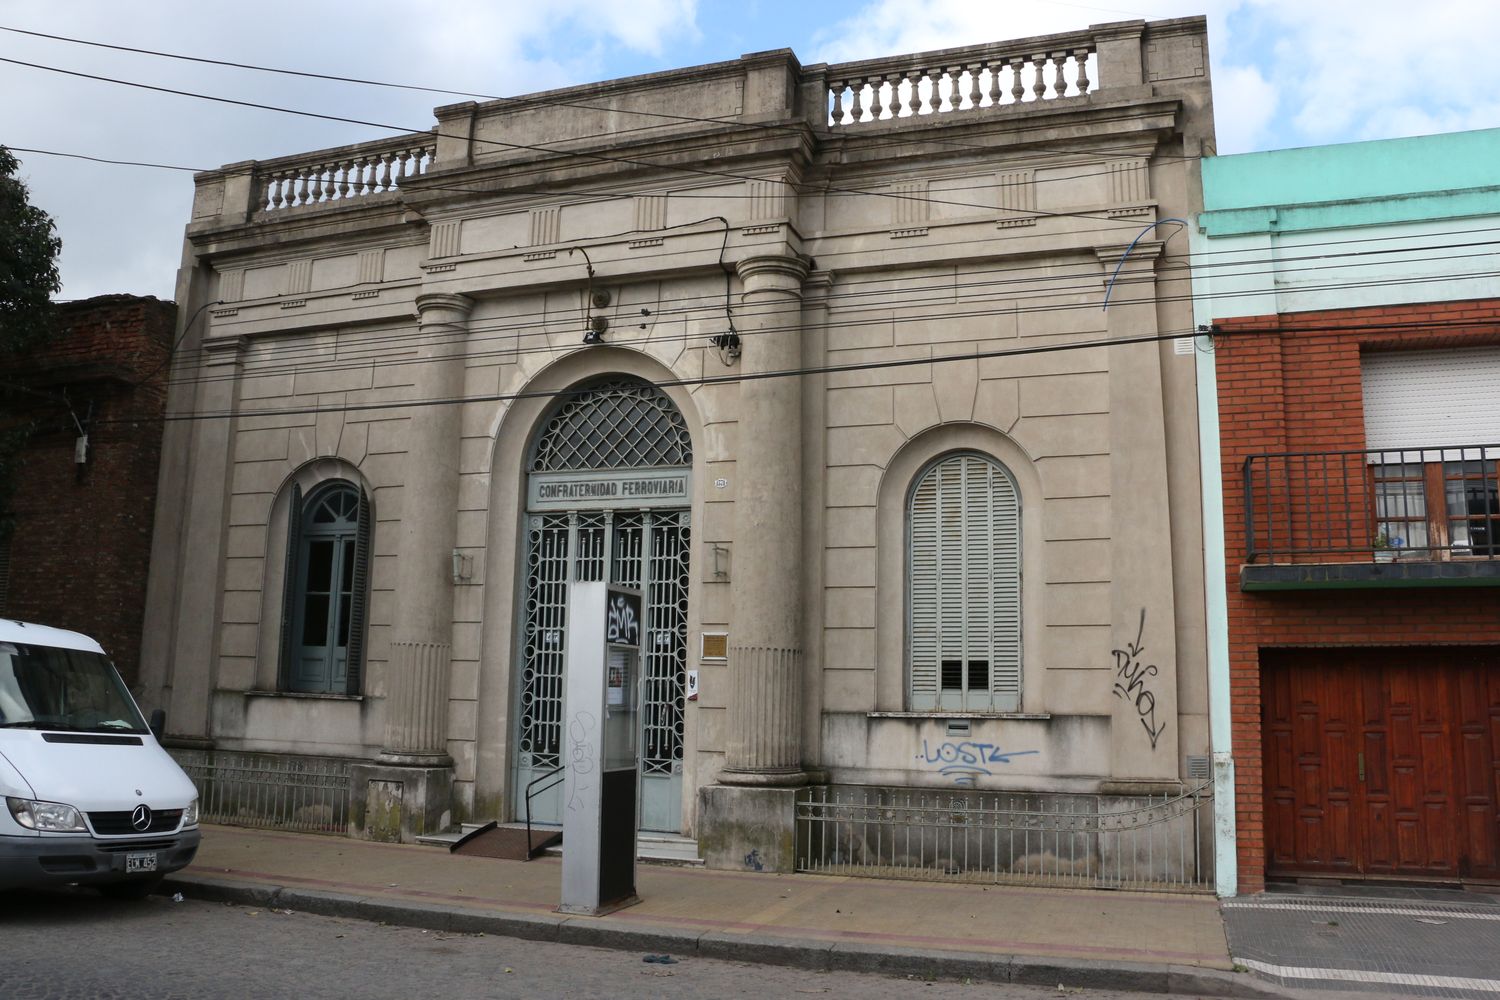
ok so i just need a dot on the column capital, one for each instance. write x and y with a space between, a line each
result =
782 272
432 305
817 284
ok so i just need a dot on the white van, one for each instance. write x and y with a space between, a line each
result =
87 795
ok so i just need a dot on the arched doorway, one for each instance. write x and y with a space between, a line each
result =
607 493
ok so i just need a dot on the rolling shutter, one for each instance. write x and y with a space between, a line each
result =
964 588
1424 399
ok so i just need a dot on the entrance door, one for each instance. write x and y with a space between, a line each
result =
647 549
1382 762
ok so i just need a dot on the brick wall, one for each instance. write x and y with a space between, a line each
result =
82 539
1297 388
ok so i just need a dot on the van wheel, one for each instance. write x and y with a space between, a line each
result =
138 888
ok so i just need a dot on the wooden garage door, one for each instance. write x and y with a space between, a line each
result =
1382 762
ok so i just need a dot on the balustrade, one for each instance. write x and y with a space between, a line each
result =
964 81
351 172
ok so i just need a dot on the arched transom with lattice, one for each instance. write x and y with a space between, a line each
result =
620 424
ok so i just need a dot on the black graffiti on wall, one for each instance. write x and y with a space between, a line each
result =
1132 674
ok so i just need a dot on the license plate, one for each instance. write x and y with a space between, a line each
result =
145 862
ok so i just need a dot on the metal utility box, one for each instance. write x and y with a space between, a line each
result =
601 697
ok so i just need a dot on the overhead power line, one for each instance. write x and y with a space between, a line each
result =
550 150
520 327
551 100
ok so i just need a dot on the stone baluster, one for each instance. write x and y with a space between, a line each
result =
994 71
1081 58
1017 88
974 93
934 93
954 72
383 181
838 103
914 101
1059 77
1039 86
856 108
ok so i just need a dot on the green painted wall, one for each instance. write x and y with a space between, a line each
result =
1353 184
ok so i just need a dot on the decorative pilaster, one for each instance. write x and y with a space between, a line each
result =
1142 654
765 658
416 714
421 633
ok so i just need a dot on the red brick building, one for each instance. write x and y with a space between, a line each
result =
81 540
1395 664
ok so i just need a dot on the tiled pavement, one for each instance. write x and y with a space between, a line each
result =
1377 941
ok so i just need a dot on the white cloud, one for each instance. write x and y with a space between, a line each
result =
1244 107
122 227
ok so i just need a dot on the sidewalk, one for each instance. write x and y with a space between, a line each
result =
1154 942
1378 939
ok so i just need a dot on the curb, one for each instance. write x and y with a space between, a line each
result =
833 956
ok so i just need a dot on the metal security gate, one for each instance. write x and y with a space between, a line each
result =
1070 840
647 549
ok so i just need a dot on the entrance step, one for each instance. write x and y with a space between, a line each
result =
451 837
651 847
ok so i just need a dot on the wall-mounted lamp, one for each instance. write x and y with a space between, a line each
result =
728 345
594 333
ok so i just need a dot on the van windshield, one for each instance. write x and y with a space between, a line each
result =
42 687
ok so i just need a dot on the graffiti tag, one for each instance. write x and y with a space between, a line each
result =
966 760
623 625
1131 675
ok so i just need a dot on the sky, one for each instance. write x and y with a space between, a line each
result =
1285 73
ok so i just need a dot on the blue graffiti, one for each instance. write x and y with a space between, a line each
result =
965 761
753 861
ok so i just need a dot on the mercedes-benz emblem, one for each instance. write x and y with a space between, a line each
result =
140 817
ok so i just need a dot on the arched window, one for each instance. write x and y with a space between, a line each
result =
963 626
327 580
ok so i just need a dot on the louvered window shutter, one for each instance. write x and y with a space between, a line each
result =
964 588
290 591
358 599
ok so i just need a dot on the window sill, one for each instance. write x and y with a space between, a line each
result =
304 695
939 714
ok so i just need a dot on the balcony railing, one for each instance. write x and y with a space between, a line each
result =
1427 504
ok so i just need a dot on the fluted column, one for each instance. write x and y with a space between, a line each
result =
765 655
416 727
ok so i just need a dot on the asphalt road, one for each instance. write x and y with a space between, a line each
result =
76 944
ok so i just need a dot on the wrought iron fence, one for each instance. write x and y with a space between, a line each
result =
270 791
1084 841
1430 503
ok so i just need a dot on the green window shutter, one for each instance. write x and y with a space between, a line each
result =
359 602
290 591
964 588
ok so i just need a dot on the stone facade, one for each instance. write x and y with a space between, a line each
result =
836 278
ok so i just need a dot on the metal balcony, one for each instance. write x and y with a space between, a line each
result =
1411 517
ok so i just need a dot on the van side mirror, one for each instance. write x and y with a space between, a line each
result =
158 724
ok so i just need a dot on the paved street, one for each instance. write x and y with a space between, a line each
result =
64 945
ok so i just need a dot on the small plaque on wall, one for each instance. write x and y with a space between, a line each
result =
715 646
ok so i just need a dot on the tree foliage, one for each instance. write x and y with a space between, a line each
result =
28 263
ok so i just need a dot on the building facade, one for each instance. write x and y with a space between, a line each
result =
875 379
1355 372
88 408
